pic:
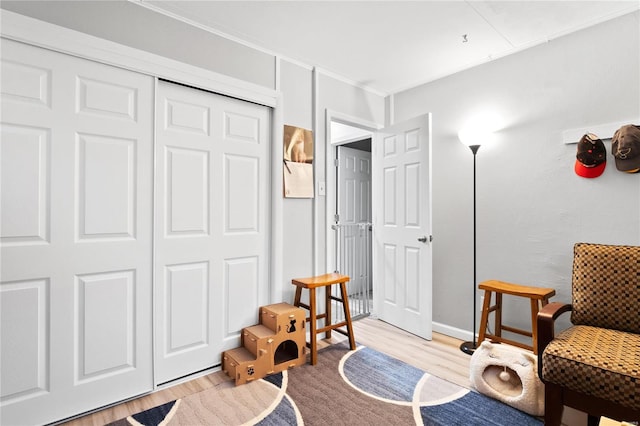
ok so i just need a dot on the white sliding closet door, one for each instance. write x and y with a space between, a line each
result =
211 225
75 236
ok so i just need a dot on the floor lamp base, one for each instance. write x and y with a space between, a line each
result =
468 347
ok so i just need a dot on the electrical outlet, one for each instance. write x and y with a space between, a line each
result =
481 302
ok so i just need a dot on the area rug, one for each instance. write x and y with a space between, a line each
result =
361 387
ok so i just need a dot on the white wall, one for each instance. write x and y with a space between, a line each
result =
346 100
306 93
130 24
296 85
531 206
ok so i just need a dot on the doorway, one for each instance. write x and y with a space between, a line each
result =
401 217
352 215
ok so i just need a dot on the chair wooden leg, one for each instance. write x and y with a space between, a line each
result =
553 405
593 420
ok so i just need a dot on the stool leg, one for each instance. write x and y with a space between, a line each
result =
347 315
498 316
485 316
327 305
296 300
314 325
534 325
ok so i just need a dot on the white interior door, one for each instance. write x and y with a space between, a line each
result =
354 185
212 225
402 225
76 235
354 217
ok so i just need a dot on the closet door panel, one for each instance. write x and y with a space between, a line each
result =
241 186
23 324
187 311
187 192
244 173
106 187
242 287
211 225
24 168
105 347
184 302
76 241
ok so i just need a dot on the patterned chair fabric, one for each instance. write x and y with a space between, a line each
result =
600 354
596 361
606 286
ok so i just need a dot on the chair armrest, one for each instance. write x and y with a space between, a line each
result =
545 323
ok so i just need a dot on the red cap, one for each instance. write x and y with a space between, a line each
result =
589 171
591 158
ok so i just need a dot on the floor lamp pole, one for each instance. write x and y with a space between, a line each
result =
470 347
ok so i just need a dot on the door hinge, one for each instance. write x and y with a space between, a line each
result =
336 218
336 162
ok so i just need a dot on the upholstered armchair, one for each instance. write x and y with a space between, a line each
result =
594 365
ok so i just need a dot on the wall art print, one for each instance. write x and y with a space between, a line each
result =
298 162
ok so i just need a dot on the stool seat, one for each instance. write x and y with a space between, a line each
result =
538 297
320 280
326 281
538 293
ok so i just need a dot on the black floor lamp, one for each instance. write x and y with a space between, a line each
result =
470 347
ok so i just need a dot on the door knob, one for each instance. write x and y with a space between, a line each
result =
422 239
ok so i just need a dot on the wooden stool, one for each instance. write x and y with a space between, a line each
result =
326 281
539 297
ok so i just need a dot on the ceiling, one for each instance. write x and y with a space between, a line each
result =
389 46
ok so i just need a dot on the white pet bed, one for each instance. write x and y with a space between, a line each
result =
508 374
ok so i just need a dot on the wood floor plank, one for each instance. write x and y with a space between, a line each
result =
440 357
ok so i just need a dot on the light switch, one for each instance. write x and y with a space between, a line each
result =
321 189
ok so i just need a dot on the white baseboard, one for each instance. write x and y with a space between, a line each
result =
452 331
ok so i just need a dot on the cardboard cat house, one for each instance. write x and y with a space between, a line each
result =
276 344
508 374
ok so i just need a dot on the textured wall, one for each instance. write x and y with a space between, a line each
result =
126 23
531 206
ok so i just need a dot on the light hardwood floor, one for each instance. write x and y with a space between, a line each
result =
440 357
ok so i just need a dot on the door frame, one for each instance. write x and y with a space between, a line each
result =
331 176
